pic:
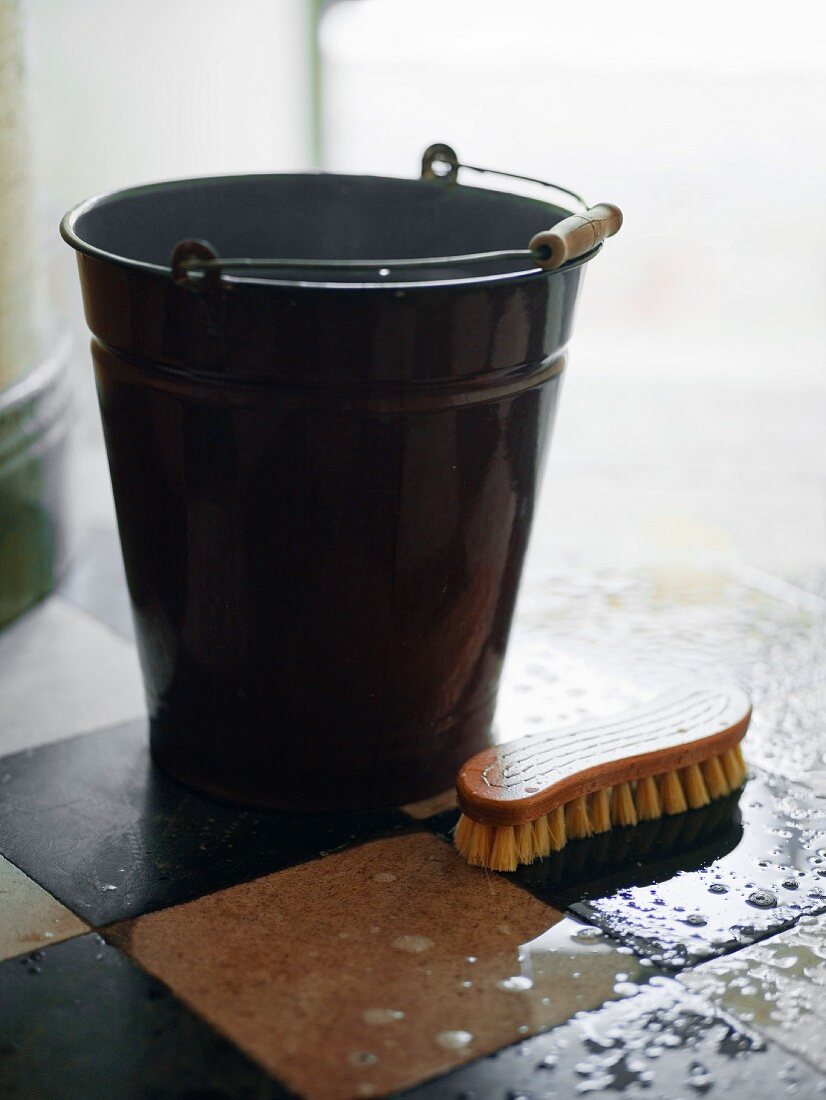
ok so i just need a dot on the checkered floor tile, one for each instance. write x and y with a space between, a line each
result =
156 943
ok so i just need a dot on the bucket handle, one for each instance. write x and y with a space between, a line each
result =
440 162
196 264
569 239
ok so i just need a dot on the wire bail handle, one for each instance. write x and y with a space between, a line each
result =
549 249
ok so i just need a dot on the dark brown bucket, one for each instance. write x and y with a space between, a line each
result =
324 472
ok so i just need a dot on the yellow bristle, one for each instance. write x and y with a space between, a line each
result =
648 799
741 760
599 810
525 851
623 810
462 834
503 854
672 794
735 774
541 837
557 830
696 792
577 821
715 777
481 842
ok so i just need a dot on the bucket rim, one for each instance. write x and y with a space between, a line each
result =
70 235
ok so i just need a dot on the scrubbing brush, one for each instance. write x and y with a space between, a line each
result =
523 800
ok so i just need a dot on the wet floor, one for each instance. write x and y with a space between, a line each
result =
777 985
663 1043
357 955
683 889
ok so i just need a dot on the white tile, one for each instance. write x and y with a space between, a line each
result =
63 673
30 918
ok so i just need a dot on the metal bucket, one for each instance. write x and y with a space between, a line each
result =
324 468
35 532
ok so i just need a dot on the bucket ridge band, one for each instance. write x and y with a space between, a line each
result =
374 394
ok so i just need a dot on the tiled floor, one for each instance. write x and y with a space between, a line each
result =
777 985
213 951
31 918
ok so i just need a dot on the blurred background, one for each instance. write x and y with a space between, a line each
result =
691 430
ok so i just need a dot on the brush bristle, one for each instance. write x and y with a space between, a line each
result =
715 777
672 794
525 851
542 842
505 847
464 832
735 772
577 821
481 844
696 791
648 799
556 825
503 855
623 810
599 810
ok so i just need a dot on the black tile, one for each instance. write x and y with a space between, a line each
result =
94 821
763 883
96 582
81 1022
699 884
657 1045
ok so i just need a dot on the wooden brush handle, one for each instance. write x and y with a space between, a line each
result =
520 781
576 235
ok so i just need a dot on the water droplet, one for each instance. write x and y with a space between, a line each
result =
588 936
108 886
413 945
384 876
380 1016
517 984
362 1058
454 1040
548 1062
718 888
696 920
384 271
699 1077
762 899
790 884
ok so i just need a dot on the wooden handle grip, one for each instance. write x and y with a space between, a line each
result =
576 235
